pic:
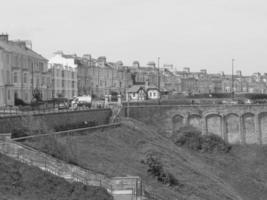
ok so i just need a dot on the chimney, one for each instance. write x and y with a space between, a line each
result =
4 37
239 73
87 56
146 84
186 69
203 71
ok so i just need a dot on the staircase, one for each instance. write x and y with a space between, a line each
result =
121 188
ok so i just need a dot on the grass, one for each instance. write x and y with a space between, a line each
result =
240 174
19 181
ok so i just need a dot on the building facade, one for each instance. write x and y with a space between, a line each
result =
22 71
63 72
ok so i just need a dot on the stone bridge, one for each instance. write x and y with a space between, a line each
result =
241 124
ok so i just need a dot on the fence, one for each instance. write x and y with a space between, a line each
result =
57 167
16 111
117 186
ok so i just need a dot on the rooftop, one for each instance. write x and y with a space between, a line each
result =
19 48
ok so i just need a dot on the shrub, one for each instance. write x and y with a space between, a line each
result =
190 139
207 143
214 143
155 168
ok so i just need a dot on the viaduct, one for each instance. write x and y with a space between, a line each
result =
237 124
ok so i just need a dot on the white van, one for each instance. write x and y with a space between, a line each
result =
82 101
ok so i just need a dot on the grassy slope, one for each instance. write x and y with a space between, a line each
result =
21 182
118 152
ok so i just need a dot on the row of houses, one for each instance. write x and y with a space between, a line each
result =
24 71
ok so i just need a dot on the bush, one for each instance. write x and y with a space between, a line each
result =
214 143
207 143
155 168
190 139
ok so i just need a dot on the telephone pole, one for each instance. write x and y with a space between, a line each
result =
159 80
233 93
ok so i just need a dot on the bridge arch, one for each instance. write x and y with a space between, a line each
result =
248 129
195 121
262 126
177 122
232 126
214 125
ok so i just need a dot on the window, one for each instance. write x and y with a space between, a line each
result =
41 66
43 80
25 78
7 59
26 96
72 75
63 83
8 77
8 94
62 73
72 83
37 81
15 77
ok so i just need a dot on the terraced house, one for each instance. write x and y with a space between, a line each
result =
22 71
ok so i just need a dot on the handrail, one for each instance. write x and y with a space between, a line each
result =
68 131
60 168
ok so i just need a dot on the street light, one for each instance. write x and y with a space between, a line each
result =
158 80
233 93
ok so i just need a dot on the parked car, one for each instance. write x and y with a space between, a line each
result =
232 101
60 103
82 101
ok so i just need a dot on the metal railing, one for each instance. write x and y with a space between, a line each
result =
72 173
57 167
16 111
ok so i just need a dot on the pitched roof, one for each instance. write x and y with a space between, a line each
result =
135 88
14 47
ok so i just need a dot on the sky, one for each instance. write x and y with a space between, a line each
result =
204 34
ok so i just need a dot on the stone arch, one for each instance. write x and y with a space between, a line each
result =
214 124
248 121
263 126
177 122
232 128
195 121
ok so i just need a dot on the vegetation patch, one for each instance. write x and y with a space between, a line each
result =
84 124
19 181
203 143
155 168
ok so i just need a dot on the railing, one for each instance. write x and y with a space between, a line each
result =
57 167
71 172
16 111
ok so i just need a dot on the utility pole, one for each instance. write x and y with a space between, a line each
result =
158 80
233 93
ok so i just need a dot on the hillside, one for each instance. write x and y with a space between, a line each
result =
238 175
21 182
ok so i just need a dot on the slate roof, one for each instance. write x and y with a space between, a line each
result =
135 88
14 47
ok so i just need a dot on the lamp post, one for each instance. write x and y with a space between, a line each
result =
233 93
158 81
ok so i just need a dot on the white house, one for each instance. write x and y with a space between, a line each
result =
63 71
136 93
142 93
152 92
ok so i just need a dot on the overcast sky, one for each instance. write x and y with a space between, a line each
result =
187 33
